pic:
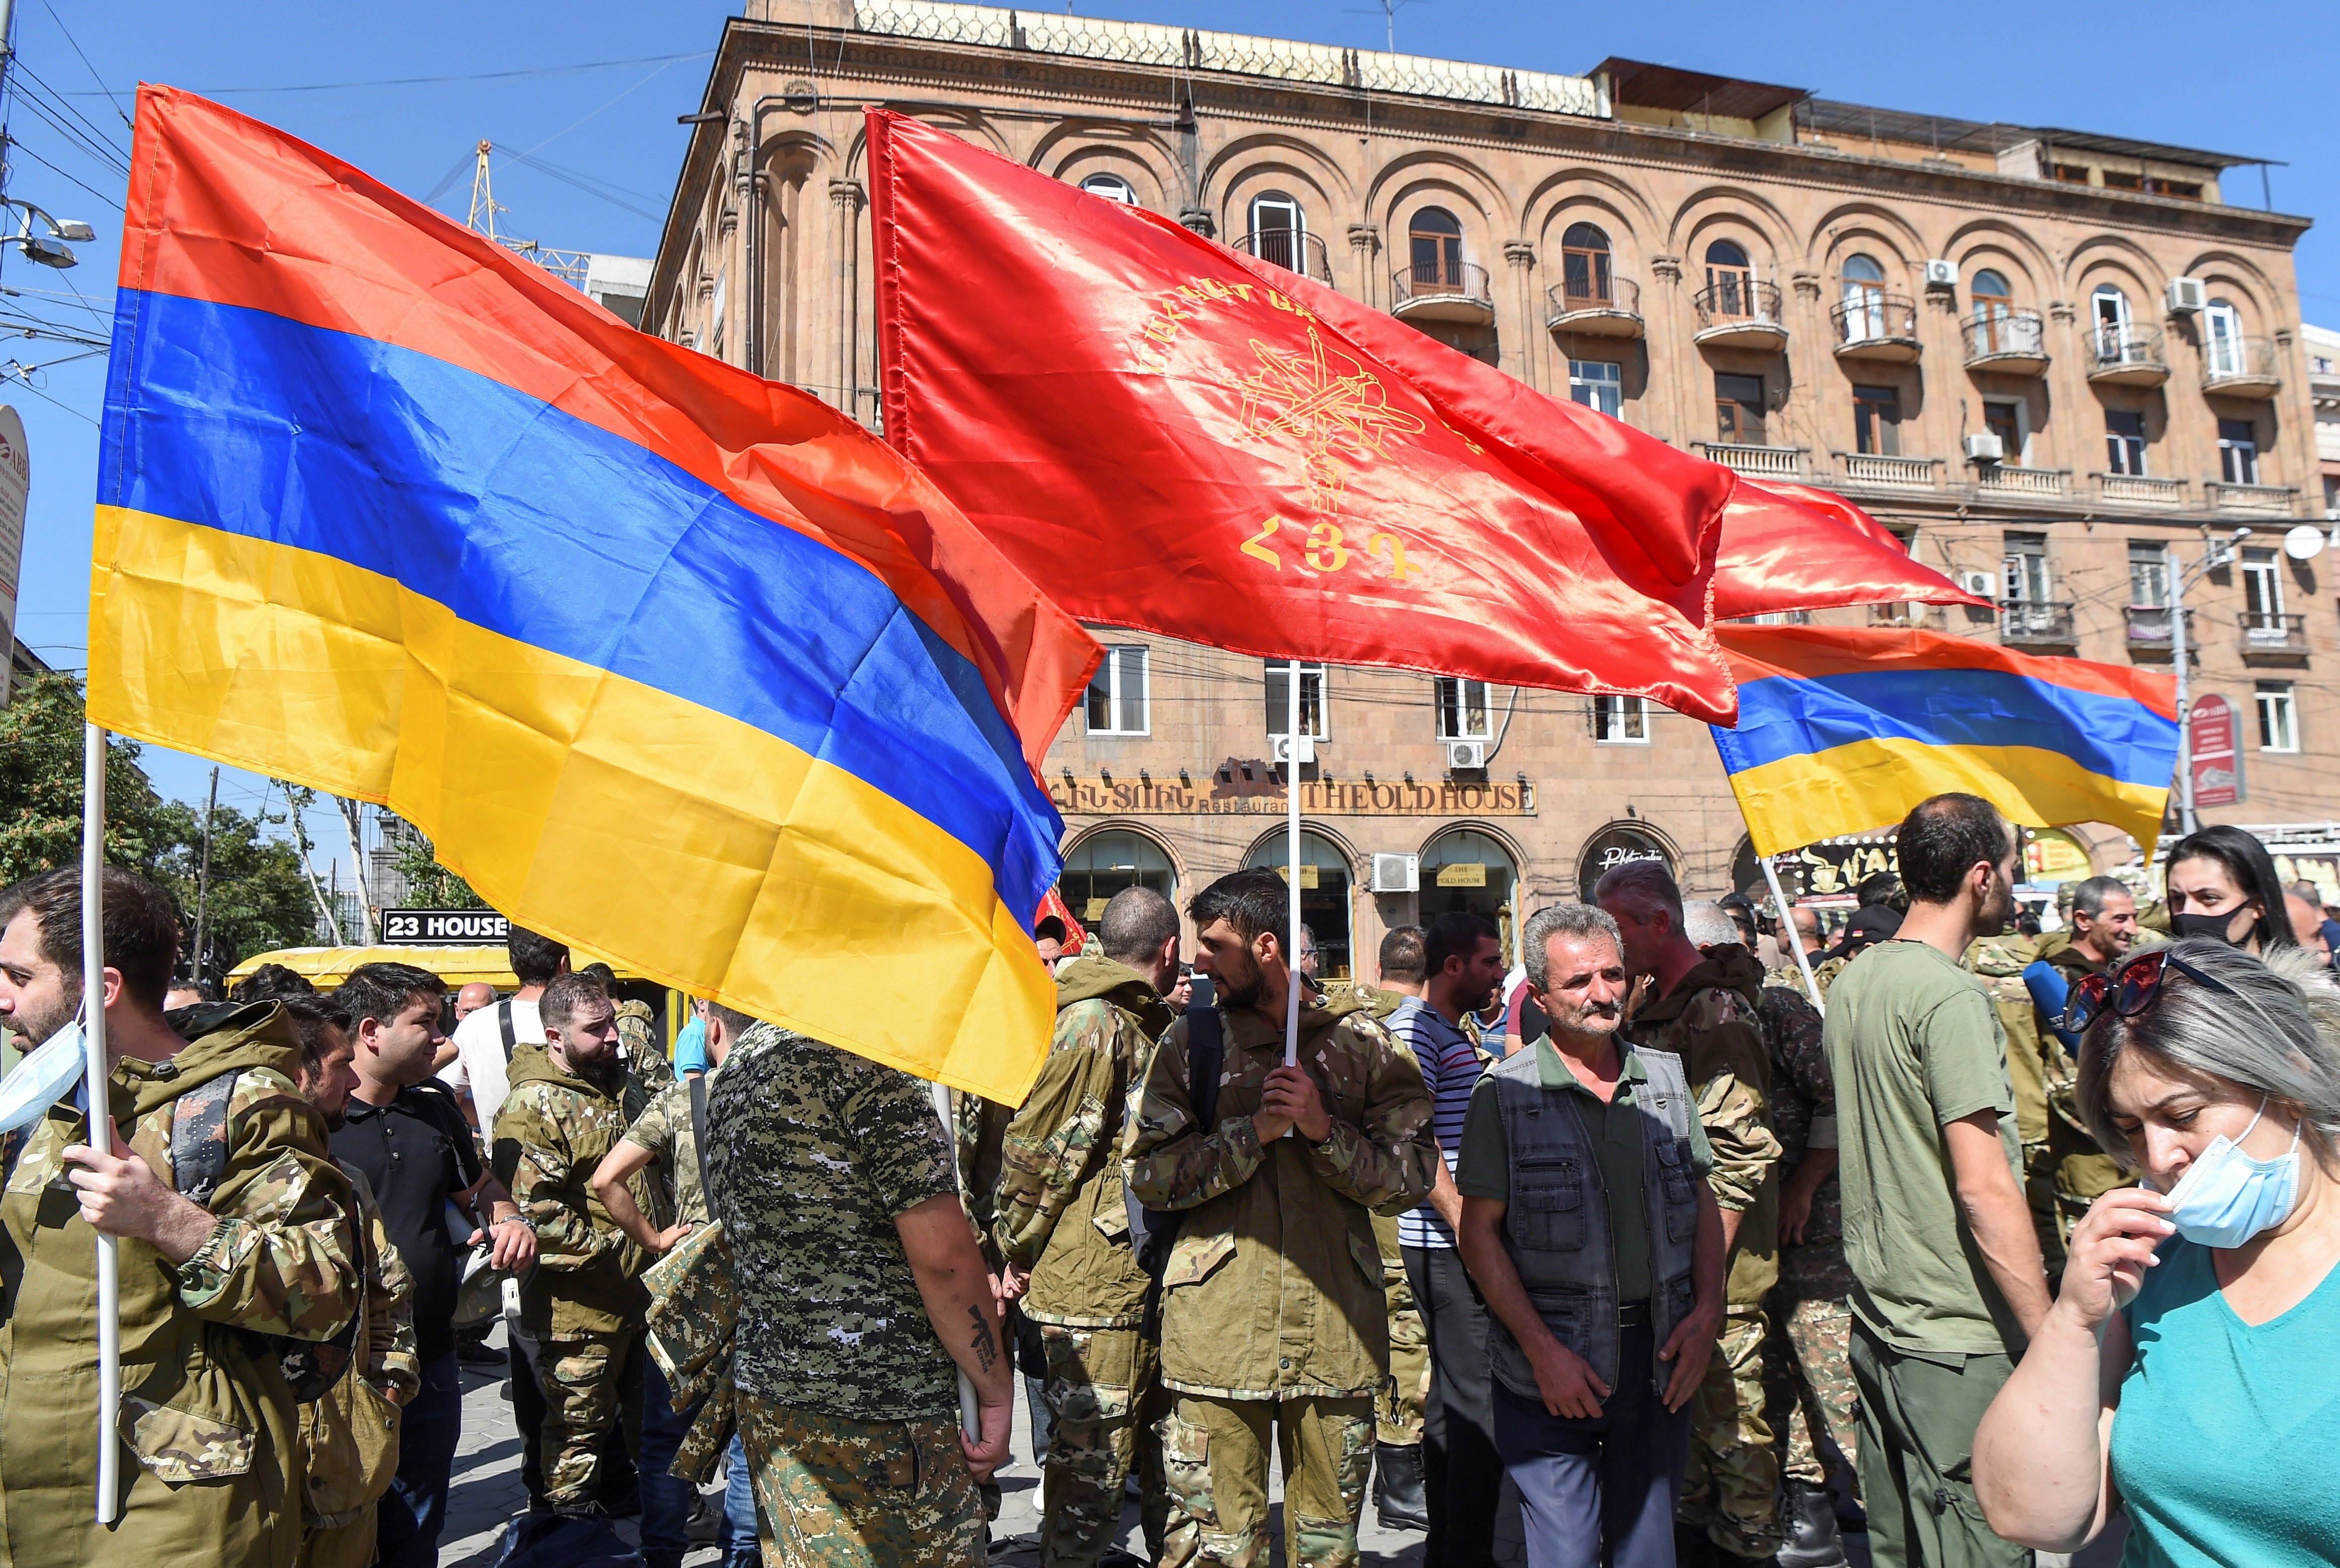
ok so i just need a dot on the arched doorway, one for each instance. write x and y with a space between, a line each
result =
1103 863
1613 846
1467 870
1324 895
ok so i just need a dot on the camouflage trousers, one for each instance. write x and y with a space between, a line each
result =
841 1494
1808 1390
2067 1173
1104 1390
1215 1451
1731 1487
590 1381
1398 1406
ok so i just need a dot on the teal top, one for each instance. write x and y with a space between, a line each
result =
2223 1445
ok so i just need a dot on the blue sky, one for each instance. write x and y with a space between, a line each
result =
591 89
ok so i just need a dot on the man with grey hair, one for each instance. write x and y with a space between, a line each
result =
2065 1171
1596 1242
1063 1236
1708 923
1704 1009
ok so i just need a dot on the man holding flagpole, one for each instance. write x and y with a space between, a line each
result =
1274 1328
234 1232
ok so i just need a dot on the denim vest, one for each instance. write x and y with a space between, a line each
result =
1559 1243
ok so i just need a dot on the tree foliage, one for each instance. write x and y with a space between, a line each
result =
258 900
429 885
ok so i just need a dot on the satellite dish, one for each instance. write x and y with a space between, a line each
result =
2305 542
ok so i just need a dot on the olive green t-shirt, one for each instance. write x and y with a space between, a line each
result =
1616 1131
1914 1045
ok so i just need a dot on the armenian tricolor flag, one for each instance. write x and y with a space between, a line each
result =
667 659
1841 730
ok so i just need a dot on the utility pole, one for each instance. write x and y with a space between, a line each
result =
204 874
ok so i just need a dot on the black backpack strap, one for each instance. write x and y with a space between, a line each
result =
699 1134
504 1023
199 1137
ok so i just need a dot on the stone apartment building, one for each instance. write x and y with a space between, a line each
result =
2062 366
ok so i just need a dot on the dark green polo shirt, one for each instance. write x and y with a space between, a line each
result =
1614 1129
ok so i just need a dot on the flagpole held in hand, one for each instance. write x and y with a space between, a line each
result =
93 990
1292 834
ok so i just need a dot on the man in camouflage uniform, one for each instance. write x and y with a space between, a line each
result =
646 1058
269 1251
1273 1321
1701 1007
1400 1420
2066 1170
859 1286
1063 1230
570 1102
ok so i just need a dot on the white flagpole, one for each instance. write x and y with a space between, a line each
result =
971 1416
101 1120
1291 830
1788 933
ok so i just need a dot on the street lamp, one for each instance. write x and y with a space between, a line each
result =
48 249
2220 553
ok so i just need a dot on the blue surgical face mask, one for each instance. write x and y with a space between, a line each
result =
2225 1197
43 1079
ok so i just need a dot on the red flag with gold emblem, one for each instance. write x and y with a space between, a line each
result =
1167 435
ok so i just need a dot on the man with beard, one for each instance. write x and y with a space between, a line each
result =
1461 1478
568 1104
1948 1285
1273 1323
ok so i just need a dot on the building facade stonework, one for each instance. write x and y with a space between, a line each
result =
2056 363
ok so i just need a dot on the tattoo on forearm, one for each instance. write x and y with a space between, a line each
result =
984 1343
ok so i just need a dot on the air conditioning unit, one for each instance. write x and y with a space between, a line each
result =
1985 448
1464 754
1981 584
1291 748
1941 275
2187 295
1397 873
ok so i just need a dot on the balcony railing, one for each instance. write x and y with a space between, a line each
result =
1612 296
2010 479
2036 622
2276 498
2268 634
1898 472
1427 289
1755 462
2149 628
1295 252
2008 335
1876 320
2125 354
2140 490
1735 300
2243 366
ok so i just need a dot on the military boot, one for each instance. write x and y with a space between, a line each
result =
1808 1512
1398 1498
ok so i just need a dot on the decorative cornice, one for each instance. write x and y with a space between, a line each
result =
1365 237
1666 269
1519 252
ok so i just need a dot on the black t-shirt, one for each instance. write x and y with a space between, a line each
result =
418 1153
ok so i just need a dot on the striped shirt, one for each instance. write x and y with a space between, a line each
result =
1450 1066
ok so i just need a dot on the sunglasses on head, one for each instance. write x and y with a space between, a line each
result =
2130 990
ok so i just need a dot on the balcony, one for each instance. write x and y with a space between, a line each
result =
1453 292
2140 490
1905 614
2036 623
2269 636
2014 479
2281 499
1880 327
1755 462
2127 356
1583 307
1295 252
2244 367
2149 631
2007 344
1889 473
1737 312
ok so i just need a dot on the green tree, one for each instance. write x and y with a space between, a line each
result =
259 901
41 734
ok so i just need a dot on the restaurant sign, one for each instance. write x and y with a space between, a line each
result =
1105 796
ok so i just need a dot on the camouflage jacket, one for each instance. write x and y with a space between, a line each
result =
203 1399
1058 1209
637 1035
554 1129
979 1136
1803 1116
1274 1288
664 1129
1709 1020
2059 1074
1999 962
349 1437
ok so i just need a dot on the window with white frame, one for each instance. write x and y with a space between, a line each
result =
1620 720
1116 697
2278 717
1598 384
1112 187
1279 698
2262 590
1465 709
2148 574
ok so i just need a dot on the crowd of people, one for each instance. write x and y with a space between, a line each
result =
1961 1235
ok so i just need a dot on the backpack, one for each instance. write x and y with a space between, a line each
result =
1152 1230
198 1160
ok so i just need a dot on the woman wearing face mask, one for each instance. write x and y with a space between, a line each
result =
2190 1367
2223 885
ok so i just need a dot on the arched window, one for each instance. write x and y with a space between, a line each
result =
1279 231
2108 309
1323 894
2222 339
1112 187
1435 240
1103 864
1994 310
1732 279
1471 872
1864 298
1584 268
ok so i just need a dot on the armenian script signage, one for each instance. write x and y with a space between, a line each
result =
1208 797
